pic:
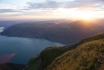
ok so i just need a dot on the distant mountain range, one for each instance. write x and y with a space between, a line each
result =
100 21
65 32
7 24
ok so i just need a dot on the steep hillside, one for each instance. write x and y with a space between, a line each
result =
65 33
88 54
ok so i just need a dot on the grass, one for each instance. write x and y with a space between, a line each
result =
88 54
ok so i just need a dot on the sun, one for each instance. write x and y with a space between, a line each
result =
85 15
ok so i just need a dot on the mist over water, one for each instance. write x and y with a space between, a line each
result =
21 50
1 29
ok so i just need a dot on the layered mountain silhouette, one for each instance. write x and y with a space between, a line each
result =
88 54
65 32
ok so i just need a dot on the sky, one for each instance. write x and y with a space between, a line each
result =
51 9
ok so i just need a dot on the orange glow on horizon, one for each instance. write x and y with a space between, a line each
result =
60 13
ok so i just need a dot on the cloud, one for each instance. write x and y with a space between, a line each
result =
8 10
50 7
67 4
45 5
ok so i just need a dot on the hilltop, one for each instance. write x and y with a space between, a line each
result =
88 54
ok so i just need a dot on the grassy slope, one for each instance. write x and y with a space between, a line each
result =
45 58
85 55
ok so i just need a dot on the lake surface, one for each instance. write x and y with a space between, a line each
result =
21 50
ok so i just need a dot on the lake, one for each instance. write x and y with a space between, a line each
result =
21 50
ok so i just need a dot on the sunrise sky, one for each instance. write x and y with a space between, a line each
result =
51 9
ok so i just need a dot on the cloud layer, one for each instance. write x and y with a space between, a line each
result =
50 6
8 10
69 4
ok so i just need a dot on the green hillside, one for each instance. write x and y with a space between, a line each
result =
88 54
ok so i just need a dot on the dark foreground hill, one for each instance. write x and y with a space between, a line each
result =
88 54
11 66
65 32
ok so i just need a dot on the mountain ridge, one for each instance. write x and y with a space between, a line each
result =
65 33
